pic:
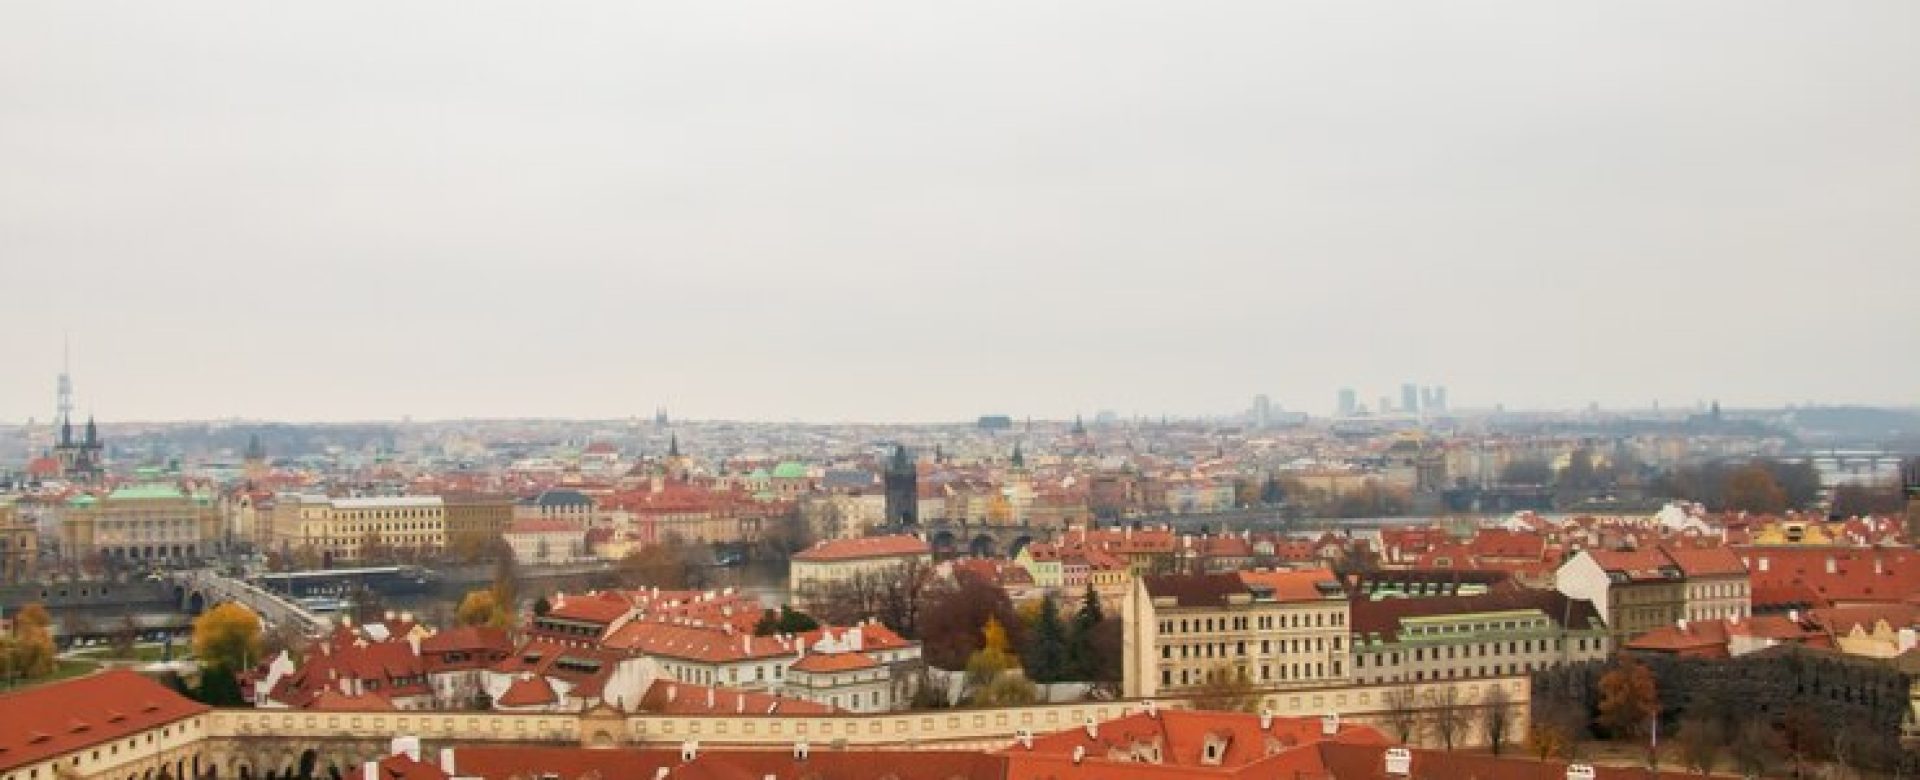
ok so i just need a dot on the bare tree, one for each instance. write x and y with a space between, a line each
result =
1700 740
1402 714
1496 717
1448 715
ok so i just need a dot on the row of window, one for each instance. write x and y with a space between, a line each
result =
1516 647
1318 644
1263 623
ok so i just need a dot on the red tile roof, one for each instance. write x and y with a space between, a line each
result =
865 547
49 720
827 663
529 691
675 698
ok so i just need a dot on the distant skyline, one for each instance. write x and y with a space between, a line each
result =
847 211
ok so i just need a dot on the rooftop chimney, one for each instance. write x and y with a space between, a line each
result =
1266 718
1025 738
800 750
1093 729
1330 724
690 750
1399 762
446 761
370 770
1079 754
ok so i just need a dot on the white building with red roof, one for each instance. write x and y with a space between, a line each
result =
819 567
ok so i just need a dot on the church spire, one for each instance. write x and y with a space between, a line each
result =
673 446
93 433
1019 460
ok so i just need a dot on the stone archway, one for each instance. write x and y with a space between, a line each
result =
982 546
196 603
1019 543
945 543
309 759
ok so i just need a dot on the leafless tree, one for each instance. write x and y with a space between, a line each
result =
1402 715
1496 717
1700 740
1448 715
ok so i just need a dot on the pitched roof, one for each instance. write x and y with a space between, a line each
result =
676 698
826 663
48 720
1383 617
529 691
1294 584
1705 561
573 763
1195 590
865 547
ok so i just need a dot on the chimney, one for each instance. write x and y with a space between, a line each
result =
1152 712
800 750
1025 738
446 761
370 770
1681 624
1793 615
388 615
690 750
1330 724
709 698
673 692
1093 729
661 773
1079 754
1266 719
1399 762
407 745
1907 640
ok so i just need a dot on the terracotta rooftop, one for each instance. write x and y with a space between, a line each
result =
41 722
865 547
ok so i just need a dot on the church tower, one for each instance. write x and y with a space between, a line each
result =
902 479
256 459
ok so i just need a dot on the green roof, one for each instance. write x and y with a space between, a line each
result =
146 491
789 470
82 500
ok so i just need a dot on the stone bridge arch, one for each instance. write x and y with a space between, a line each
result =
949 538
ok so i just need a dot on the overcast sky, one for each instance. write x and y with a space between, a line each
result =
920 211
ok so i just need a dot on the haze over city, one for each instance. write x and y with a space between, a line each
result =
841 211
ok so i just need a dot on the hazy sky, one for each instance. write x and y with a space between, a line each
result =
915 211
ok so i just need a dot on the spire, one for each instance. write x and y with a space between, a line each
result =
1019 460
901 462
255 451
1079 426
673 446
93 433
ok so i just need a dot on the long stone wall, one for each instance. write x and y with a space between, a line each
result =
275 737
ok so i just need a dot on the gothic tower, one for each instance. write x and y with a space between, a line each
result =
903 491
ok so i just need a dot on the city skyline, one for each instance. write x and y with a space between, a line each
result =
841 213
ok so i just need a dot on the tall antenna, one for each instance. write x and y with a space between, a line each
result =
65 414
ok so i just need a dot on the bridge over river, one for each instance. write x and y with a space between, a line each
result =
198 589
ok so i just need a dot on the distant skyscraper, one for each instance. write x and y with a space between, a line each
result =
1440 399
1349 402
1410 398
1262 411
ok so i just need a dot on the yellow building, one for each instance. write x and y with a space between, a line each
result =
1274 629
340 529
152 522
